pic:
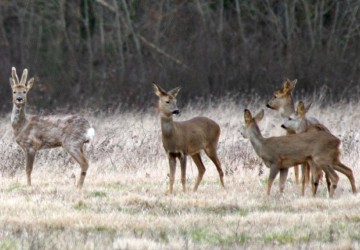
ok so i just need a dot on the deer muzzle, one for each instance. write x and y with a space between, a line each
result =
19 100
268 106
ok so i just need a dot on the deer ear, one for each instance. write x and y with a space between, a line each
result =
174 92
286 86
30 83
247 116
14 75
300 109
12 82
158 90
289 86
293 84
24 77
259 116
307 107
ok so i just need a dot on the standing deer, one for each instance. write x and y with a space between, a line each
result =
35 132
301 124
282 152
283 102
181 139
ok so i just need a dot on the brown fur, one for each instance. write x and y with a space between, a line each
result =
34 133
281 153
181 139
283 102
301 124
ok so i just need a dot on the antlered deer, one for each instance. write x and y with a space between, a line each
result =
301 124
36 132
181 139
281 153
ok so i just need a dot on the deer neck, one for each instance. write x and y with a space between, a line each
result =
257 140
167 126
18 118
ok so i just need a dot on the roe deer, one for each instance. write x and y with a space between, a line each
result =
301 124
283 102
282 152
35 132
186 138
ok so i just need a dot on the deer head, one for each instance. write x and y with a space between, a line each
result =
298 122
167 100
20 88
251 122
282 98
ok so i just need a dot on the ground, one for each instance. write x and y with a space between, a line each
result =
125 205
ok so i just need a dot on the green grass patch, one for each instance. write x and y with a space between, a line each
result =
117 186
227 209
284 237
13 187
80 206
201 235
9 245
163 235
98 194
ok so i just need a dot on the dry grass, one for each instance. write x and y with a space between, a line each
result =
125 205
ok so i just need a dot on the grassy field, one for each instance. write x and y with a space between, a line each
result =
124 204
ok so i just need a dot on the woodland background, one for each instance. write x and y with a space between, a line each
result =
106 53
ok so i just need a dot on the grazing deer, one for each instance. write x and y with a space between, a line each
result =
35 132
282 152
301 124
181 139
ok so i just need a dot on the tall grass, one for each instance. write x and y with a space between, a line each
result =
125 205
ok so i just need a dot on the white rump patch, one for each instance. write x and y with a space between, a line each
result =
90 133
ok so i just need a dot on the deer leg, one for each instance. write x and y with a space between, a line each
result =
315 178
274 170
201 169
296 170
333 177
79 156
172 164
211 153
307 172
328 182
303 179
30 157
349 174
183 171
283 177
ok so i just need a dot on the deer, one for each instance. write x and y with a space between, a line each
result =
186 138
299 123
283 102
36 132
280 153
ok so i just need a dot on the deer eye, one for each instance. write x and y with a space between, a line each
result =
24 92
167 101
14 92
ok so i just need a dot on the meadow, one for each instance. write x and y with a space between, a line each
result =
124 203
